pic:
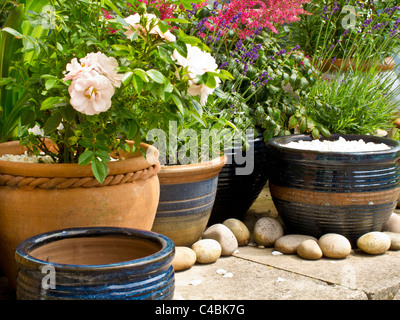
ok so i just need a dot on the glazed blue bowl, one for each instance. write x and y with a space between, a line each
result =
105 263
350 193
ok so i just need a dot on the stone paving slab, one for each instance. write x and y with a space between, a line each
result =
255 281
257 274
378 276
256 271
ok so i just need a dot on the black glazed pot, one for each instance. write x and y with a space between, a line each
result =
350 193
237 190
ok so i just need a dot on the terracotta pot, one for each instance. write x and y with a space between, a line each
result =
345 64
95 263
37 198
187 194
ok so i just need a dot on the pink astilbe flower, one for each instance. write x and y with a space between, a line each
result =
106 14
165 7
249 15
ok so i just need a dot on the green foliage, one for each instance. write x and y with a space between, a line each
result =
354 103
347 42
12 97
152 91
267 79
348 29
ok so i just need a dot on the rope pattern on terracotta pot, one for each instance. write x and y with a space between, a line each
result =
86 182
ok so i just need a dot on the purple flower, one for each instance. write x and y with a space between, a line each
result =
223 65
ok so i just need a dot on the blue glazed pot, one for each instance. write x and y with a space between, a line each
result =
187 194
237 192
350 193
96 263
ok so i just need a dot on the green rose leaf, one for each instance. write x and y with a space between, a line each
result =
86 157
180 46
86 143
137 83
197 106
165 55
103 155
155 75
52 123
52 102
99 169
178 103
127 78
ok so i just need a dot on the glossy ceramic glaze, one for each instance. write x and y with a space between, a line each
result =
237 192
95 263
37 198
350 193
187 194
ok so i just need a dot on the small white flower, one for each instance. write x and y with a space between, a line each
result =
36 130
197 63
151 21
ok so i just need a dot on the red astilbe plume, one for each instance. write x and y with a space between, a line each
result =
165 7
250 15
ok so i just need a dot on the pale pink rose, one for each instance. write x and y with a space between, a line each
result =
74 68
134 24
167 36
99 62
104 65
91 93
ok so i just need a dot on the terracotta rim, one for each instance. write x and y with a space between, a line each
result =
344 64
69 170
191 172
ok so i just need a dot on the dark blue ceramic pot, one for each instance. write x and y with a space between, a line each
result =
238 189
96 263
350 193
187 194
